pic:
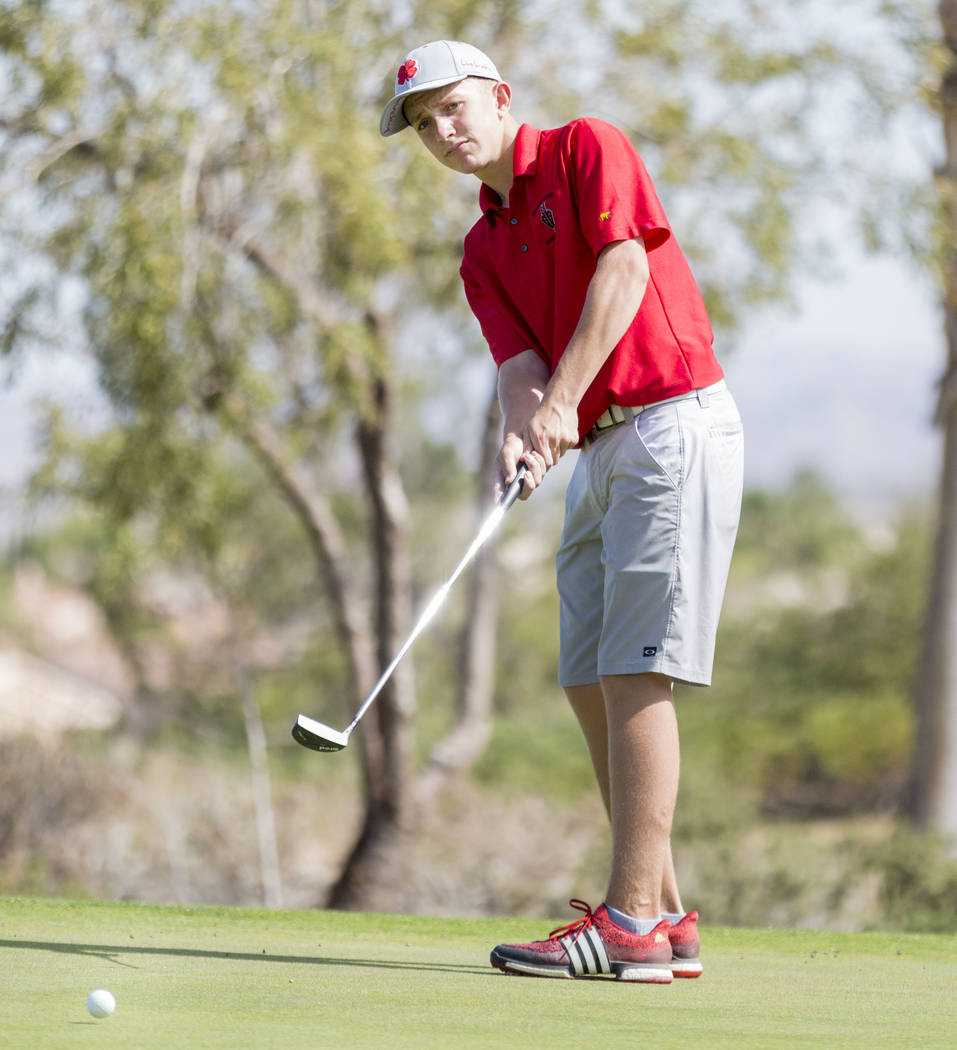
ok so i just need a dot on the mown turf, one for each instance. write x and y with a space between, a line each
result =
237 978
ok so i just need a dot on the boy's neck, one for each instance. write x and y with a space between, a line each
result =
499 175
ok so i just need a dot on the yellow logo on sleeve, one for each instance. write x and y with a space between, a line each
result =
605 216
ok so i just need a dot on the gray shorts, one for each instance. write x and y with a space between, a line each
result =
651 515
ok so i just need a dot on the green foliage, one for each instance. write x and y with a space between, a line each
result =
762 109
541 757
919 882
801 527
528 662
815 696
862 873
16 328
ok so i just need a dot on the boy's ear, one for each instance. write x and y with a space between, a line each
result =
502 94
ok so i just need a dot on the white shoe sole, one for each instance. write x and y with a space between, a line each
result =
643 973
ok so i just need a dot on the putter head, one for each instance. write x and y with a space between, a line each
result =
316 735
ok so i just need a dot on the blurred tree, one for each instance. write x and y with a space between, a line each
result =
819 647
818 709
933 801
250 261
260 273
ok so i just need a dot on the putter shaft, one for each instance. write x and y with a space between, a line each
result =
320 737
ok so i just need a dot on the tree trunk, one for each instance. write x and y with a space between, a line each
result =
384 736
386 732
933 800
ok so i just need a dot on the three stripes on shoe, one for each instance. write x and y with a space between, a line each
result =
586 952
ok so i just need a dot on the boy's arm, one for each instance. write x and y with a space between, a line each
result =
521 385
541 414
614 296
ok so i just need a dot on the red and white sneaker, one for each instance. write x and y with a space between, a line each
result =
589 947
685 946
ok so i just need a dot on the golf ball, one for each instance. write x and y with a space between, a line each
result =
100 1003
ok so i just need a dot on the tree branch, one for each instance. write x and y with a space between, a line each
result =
311 303
326 540
84 141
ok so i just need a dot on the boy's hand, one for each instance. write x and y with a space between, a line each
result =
514 452
552 430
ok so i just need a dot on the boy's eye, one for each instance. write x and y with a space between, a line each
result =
448 109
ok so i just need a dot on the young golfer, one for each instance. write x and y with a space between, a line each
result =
603 345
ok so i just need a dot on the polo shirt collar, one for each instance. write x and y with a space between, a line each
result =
524 162
525 159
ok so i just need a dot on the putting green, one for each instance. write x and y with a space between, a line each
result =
238 978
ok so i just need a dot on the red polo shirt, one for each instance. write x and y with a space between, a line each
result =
527 266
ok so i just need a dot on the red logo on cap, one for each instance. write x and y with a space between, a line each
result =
407 71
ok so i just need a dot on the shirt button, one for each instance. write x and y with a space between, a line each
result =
524 247
514 222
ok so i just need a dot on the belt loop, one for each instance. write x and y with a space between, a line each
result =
703 397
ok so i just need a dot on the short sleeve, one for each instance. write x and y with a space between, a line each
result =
615 197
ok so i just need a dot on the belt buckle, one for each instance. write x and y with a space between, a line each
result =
616 414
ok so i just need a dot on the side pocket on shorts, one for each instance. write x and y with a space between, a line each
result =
659 432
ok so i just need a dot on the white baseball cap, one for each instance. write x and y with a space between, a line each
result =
430 66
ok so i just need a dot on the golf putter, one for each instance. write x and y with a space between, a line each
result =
320 737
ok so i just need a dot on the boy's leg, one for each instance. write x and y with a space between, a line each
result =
629 724
643 768
670 897
589 704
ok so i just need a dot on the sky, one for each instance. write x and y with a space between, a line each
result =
846 386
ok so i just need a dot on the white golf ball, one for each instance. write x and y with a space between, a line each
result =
100 1003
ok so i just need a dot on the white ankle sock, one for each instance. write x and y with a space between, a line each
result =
630 923
674 917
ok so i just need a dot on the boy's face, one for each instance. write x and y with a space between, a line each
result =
462 125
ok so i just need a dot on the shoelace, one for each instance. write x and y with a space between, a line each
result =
577 925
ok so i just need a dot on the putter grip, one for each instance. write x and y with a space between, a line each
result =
511 493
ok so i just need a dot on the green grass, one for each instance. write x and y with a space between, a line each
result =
238 978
